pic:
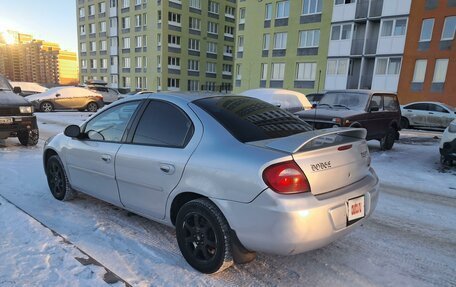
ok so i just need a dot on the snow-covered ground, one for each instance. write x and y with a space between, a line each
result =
409 241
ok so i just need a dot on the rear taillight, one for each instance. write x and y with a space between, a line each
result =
286 178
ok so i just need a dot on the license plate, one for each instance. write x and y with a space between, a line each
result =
6 120
355 209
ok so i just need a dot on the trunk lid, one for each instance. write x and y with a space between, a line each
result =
330 158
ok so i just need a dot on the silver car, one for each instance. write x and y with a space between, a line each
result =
232 174
427 115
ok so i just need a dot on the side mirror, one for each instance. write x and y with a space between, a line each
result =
72 131
57 95
17 90
374 109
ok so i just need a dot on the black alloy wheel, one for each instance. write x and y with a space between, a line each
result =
58 180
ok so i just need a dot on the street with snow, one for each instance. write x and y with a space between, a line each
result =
409 241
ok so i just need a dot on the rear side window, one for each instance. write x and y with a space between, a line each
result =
249 119
163 124
437 108
419 107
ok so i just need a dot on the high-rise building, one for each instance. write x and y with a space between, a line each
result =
24 59
157 45
429 66
367 44
282 44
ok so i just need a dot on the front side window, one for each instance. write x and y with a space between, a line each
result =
390 104
110 125
163 124
350 100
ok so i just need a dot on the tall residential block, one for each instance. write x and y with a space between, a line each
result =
366 44
157 45
429 67
282 44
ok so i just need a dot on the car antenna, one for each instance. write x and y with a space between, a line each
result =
315 106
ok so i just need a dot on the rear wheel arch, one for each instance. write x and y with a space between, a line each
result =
356 125
179 201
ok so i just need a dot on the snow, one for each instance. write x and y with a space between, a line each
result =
29 87
409 241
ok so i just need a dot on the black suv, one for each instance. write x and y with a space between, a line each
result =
378 112
16 115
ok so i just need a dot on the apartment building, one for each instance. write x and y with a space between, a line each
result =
367 43
282 44
157 45
429 66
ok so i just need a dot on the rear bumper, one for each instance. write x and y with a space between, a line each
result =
292 224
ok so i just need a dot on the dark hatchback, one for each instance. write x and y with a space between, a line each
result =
378 112
16 116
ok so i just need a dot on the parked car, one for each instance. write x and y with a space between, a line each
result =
427 115
377 112
123 96
290 101
66 98
29 88
448 145
254 180
109 95
16 115
315 98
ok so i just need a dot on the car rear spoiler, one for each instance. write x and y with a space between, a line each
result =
308 140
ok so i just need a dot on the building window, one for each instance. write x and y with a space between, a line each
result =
126 63
214 7
228 50
230 11
449 28
195 23
102 7
125 3
306 71
242 15
266 41
126 23
280 40
145 19
212 47
92 29
81 12
103 63
227 69
268 12
93 46
103 45
278 71
174 62
84 64
309 38
138 20
264 71
440 71
341 32
82 30
283 9
337 67
193 65
113 3
174 19
139 62
212 27
388 66
139 42
395 27
210 68
311 7
238 72
83 47
126 43
193 85
174 41
420 71
193 44
91 10
341 2
93 63
426 30
229 31
103 26
240 43
195 4
138 2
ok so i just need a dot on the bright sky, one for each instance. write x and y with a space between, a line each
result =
50 20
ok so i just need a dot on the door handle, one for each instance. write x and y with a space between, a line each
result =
106 158
167 168
431 113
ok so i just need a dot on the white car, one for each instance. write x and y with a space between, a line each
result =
290 101
110 95
427 115
448 145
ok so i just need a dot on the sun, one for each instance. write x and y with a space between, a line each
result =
9 39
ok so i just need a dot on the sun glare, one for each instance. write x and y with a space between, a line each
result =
9 39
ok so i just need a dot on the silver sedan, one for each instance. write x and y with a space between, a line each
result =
234 175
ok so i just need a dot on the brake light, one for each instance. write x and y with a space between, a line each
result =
286 178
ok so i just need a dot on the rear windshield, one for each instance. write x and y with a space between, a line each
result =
249 119
4 85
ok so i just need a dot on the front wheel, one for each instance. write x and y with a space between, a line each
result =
28 138
446 161
46 107
203 236
92 107
387 142
58 180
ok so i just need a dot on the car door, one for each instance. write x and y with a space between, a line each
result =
151 165
63 98
391 108
438 116
376 124
91 161
416 114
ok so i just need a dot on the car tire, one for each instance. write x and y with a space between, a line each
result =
204 236
46 107
58 180
92 107
405 124
387 142
445 161
28 138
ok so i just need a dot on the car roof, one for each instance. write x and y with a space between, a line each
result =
424 102
362 91
185 97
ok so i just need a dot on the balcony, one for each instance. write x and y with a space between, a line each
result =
362 7
376 9
357 47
